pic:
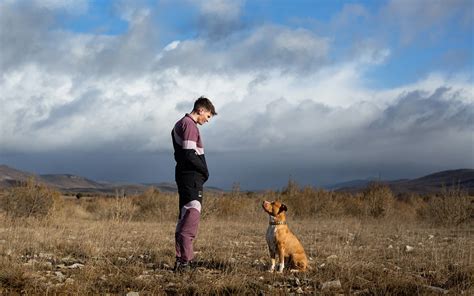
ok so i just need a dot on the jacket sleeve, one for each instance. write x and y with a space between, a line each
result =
190 139
198 163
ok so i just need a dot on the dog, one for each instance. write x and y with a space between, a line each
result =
282 241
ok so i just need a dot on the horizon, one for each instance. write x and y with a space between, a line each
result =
280 187
321 92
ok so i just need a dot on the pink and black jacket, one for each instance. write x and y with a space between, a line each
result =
191 169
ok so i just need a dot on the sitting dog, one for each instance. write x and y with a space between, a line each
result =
280 239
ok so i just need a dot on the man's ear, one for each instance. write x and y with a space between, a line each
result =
282 208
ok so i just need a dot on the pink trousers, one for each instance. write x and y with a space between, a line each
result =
186 231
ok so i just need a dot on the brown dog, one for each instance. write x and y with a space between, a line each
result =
280 239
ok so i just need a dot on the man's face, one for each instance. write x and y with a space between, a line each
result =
203 116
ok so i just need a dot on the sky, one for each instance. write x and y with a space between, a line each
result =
319 91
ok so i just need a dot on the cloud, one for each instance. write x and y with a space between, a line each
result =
283 100
425 19
266 48
219 18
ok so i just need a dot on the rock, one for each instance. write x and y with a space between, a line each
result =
61 277
143 277
131 293
261 278
48 256
46 265
299 291
409 249
69 260
31 262
331 285
76 265
361 292
436 289
390 247
322 265
430 236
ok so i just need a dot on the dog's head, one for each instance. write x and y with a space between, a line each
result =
274 208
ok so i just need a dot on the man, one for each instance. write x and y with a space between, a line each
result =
191 173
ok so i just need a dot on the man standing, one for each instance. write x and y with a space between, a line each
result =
191 173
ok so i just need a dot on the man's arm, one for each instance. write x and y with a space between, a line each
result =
200 166
189 145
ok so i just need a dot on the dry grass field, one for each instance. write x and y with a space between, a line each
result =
365 244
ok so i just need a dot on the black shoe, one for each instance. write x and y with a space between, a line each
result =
181 267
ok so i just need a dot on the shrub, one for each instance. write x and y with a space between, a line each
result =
311 202
451 207
30 199
377 200
156 206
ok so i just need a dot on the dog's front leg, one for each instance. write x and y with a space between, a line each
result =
281 257
273 257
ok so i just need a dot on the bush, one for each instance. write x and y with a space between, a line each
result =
30 200
377 200
451 207
155 206
311 202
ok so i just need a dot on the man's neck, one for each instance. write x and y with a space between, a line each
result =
194 116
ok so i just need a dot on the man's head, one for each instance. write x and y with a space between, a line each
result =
203 110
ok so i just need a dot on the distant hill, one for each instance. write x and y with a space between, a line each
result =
71 181
350 184
10 176
74 184
433 183
462 178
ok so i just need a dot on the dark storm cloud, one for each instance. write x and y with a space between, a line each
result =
417 112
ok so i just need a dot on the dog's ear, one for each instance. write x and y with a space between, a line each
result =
282 208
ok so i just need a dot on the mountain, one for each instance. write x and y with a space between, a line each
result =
350 184
9 176
433 183
74 184
70 181
429 184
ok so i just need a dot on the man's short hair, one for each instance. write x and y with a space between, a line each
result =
205 103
